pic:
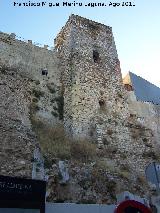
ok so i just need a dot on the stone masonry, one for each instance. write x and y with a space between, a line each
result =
78 85
94 96
89 83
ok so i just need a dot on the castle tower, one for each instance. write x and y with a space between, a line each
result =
91 79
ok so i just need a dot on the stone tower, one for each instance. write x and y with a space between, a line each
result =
91 81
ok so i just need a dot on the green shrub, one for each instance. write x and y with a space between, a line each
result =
38 93
120 95
109 131
150 154
55 108
35 100
37 82
54 114
3 69
34 107
52 140
141 179
52 100
60 104
106 166
124 174
101 183
51 88
124 171
83 150
125 167
36 123
54 143
47 162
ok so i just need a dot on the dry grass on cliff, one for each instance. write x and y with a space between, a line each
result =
52 140
54 143
83 150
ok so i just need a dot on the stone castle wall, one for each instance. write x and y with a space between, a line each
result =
30 60
147 114
17 140
84 72
87 83
26 94
94 97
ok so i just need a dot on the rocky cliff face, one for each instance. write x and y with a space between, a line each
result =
23 99
17 140
98 177
93 174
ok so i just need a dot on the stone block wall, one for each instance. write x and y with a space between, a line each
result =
147 114
17 140
95 105
84 73
88 85
25 94
30 61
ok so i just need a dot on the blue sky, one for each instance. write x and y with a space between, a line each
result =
136 29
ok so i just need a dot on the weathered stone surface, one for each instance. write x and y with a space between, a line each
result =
63 168
17 140
81 88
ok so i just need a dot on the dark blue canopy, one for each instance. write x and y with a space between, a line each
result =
144 90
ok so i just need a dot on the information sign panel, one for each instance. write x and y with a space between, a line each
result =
22 193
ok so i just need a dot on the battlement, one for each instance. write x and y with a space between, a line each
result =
26 56
12 38
83 24
87 22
